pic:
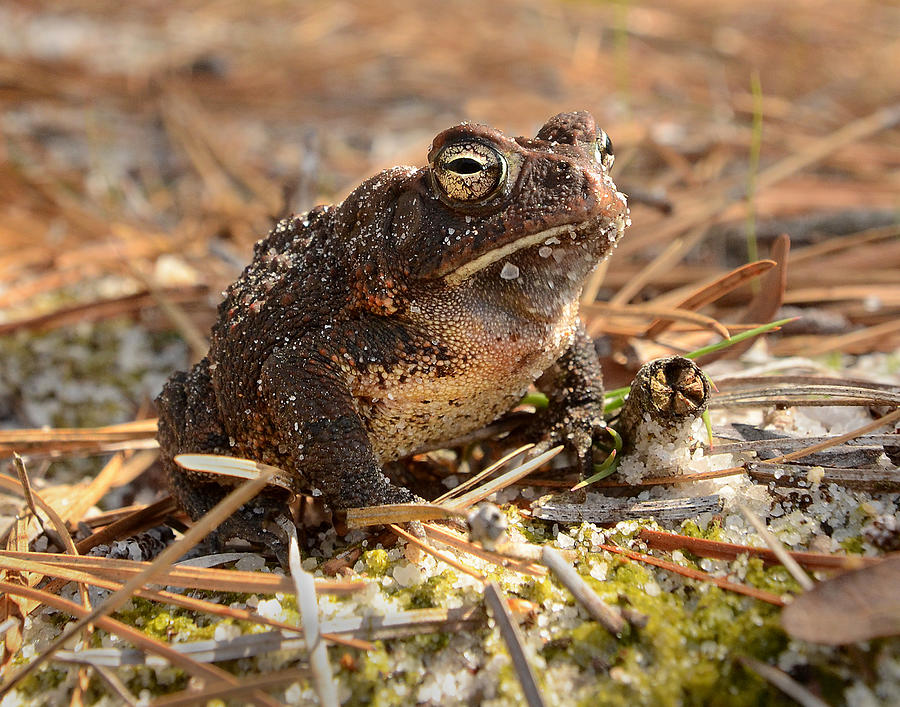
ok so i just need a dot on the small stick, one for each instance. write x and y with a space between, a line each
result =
599 610
494 598
323 678
671 390
612 510
200 530
790 564
783 682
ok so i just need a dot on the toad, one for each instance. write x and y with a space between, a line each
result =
419 309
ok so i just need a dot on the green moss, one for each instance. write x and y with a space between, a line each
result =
535 531
376 562
375 681
47 678
713 531
685 653
773 579
431 593
430 643
537 590
853 546
592 645
166 625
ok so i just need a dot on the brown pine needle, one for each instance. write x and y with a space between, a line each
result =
445 557
98 310
133 636
165 597
34 499
713 291
669 315
234 500
191 697
482 492
447 537
184 576
675 478
28 441
854 339
720 582
715 549
695 220
482 475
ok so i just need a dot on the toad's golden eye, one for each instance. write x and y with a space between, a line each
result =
603 150
469 172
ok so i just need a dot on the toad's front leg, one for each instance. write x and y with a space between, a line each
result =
321 432
574 416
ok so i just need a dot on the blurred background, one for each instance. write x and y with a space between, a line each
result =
146 146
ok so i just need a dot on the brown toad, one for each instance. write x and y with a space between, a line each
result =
419 309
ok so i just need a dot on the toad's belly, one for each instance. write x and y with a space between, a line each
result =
399 429
433 406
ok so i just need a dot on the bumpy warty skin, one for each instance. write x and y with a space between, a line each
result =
405 316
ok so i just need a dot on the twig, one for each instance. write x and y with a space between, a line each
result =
599 610
215 517
397 513
493 595
875 479
783 682
309 613
606 510
840 439
790 564
670 392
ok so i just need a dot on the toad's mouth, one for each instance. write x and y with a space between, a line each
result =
593 229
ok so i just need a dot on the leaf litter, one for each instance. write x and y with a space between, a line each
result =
132 230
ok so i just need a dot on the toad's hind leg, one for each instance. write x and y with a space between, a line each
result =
321 430
189 423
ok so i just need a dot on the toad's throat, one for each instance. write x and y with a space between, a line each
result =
466 270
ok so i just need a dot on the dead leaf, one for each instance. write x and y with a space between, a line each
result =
855 606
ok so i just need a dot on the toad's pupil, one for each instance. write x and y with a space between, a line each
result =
465 165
